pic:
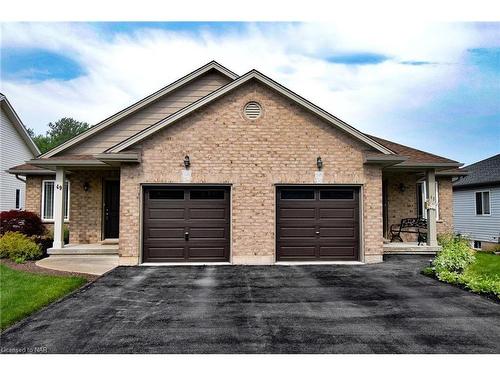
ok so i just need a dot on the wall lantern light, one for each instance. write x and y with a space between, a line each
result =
319 163
187 162
86 186
401 187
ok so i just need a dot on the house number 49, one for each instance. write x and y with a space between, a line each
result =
58 187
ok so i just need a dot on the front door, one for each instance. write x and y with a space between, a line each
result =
111 208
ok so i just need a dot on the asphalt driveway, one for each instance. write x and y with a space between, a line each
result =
382 308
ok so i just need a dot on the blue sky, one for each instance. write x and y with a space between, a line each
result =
431 86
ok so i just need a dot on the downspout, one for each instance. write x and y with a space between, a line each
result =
19 178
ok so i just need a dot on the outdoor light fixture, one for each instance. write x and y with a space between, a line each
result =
86 186
401 187
187 162
319 163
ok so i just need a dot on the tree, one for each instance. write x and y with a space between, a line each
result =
59 132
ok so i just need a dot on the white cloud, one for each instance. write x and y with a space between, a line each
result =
121 68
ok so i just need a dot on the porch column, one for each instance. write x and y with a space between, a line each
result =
430 205
59 208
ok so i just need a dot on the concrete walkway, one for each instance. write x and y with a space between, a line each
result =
91 264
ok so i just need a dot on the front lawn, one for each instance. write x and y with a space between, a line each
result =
22 293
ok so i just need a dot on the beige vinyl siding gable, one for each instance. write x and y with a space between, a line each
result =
163 107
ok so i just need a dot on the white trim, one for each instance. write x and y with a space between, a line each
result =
424 197
320 263
253 74
42 211
482 202
18 124
156 264
17 199
140 104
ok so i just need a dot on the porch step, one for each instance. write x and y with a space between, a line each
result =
109 241
409 248
85 249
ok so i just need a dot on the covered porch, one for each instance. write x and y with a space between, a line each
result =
416 207
82 194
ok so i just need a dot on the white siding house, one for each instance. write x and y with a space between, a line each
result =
16 147
476 203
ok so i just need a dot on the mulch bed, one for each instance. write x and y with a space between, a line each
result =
31 267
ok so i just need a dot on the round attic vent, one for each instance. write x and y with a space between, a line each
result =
252 110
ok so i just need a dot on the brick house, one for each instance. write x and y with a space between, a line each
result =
217 167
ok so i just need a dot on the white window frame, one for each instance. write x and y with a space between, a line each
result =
482 202
66 217
17 199
424 198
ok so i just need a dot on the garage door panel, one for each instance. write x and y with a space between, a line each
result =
180 225
297 232
337 251
337 213
165 233
165 253
207 233
348 232
207 213
165 213
204 252
297 251
297 213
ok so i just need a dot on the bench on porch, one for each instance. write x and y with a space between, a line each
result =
415 225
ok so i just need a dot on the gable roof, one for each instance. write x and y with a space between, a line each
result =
213 65
483 172
253 74
18 124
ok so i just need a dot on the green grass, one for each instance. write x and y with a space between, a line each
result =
23 293
483 276
486 264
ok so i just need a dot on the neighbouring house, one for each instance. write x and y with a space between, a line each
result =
476 203
16 146
217 167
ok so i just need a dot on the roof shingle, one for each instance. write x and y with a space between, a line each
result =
414 155
483 172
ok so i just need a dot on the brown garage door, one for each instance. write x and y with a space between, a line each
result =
186 224
317 223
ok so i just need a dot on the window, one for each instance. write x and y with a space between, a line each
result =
422 197
297 194
48 200
18 199
482 203
477 245
206 194
336 194
166 194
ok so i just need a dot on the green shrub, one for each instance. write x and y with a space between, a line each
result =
18 247
456 255
482 284
428 271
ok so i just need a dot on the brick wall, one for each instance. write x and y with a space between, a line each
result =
404 204
279 147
